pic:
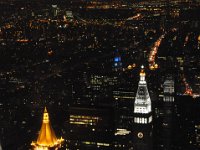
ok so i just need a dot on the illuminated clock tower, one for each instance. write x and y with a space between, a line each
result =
142 129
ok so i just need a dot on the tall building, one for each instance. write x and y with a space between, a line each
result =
55 10
168 111
124 101
90 128
168 90
142 116
47 138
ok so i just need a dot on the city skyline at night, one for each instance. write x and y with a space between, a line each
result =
99 75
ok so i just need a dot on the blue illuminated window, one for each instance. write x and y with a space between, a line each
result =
117 59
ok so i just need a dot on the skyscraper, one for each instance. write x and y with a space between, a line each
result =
142 116
55 10
90 128
124 101
168 112
47 138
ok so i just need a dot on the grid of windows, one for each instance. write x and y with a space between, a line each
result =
168 99
141 120
84 120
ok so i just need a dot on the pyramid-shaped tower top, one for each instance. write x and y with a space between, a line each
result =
142 99
47 137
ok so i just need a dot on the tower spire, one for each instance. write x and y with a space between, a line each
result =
47 138
142 74
142 100
142 116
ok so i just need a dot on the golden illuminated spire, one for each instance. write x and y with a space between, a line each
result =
47 138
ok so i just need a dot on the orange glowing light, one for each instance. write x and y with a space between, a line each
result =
50 53
47 138
130 67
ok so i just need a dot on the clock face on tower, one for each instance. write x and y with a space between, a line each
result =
140 135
